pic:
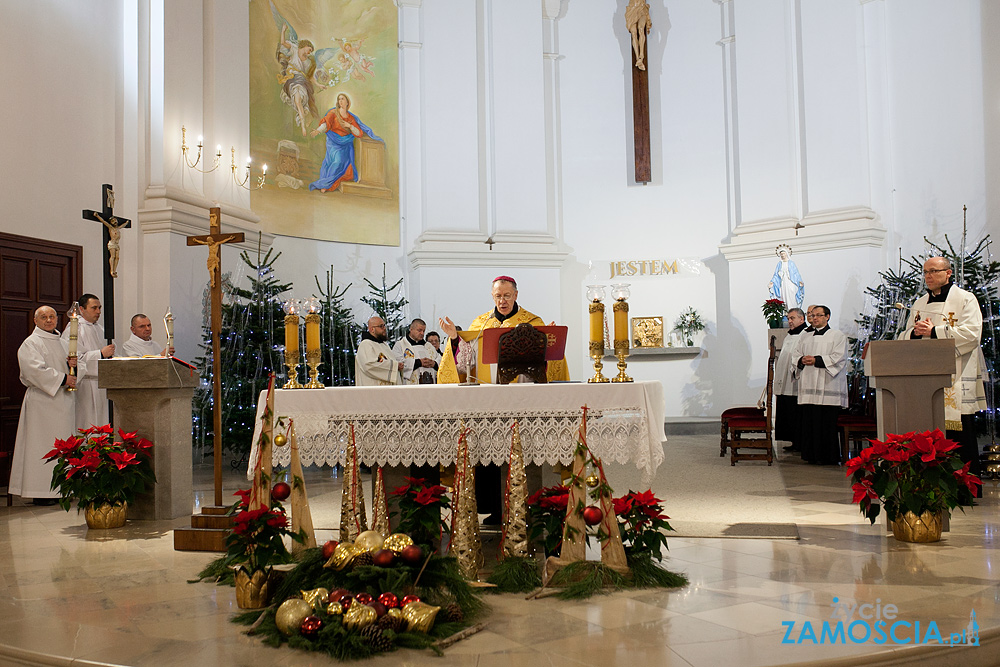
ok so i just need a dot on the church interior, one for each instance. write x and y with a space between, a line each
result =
856 134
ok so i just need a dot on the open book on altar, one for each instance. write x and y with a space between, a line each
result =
489 342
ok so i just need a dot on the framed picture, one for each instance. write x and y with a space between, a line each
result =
647 332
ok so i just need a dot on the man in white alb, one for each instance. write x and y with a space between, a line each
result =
786 401
820 366
91 402
417 355
374 363
48 411
141 343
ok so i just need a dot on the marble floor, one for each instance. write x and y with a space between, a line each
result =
73 597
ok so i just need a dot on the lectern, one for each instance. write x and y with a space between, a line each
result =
909 377
152 396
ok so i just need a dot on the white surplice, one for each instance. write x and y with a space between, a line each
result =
409 352
785 383
137 347
91 401
375 365
827 385
959 318
48 412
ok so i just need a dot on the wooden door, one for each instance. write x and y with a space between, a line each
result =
33 273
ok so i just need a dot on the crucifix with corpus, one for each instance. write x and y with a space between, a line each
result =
639 24
214 239
112 239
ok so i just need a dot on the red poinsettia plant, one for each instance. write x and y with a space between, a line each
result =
912 472
419 506
546 515
93 467
257 540
773 309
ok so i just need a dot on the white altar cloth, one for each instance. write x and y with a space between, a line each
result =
419 424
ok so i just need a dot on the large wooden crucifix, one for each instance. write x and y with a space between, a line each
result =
639 24
112 242
213 240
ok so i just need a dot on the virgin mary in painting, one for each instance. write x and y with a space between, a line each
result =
341 127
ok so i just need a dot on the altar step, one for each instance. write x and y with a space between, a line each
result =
208 530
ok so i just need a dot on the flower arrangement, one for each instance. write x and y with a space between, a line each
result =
419 508
96 469
912 472
689 323
257 540
774 311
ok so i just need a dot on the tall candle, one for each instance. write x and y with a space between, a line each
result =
291 333
312 332
74 328
621 321
597 322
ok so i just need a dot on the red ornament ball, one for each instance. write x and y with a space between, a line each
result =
363 598
407 599
593 515
412 555
383 557
345 601
281 491
336 594
328 548
380 609
310 627
389 600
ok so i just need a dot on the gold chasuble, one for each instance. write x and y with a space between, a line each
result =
448 371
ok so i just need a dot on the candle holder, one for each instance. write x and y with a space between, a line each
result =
74 328
620 292
313 354
168 324
595 294
292 355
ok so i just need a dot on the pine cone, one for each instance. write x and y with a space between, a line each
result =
394 623
362 559
452 613
376 638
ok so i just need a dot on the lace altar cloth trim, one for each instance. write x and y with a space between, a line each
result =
621 430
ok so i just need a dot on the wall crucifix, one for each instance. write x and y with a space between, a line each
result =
639 24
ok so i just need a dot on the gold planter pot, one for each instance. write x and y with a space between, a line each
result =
909 527
253 589
105 516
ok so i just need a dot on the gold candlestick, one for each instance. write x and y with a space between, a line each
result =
313 359
292 344
595 293
621 293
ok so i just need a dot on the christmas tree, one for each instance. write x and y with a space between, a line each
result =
386 307
340 335
250 319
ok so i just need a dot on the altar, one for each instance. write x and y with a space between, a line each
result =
420 424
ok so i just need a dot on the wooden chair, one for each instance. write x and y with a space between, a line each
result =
861 422
761 446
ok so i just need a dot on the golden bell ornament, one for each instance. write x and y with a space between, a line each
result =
370 540
397 542
334 609
316 597
593 481
359 616
290 615
280 440
420 616
342 556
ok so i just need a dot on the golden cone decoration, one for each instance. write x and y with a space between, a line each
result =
612 549
420 616
301 514
465 544
352 503
260 490
380 505
514 541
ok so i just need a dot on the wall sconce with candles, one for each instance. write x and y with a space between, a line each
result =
194 165
246 176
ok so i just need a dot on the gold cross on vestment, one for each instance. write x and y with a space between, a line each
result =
951 319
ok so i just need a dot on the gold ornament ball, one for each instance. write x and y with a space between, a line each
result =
280 440
397 542
290 615
316 597
593 481
420 616
395 612
342 556
370 540
334 609
359 616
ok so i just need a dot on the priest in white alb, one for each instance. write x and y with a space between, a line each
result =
48 411
948 311
820 367
417 355
140 343
374 363
786 388
91 401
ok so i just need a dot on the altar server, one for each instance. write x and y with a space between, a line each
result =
786 421
48 411
141 343
948 311
417 355
374 364
91 401
821 370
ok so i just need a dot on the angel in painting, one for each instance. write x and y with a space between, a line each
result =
353 52
302 71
